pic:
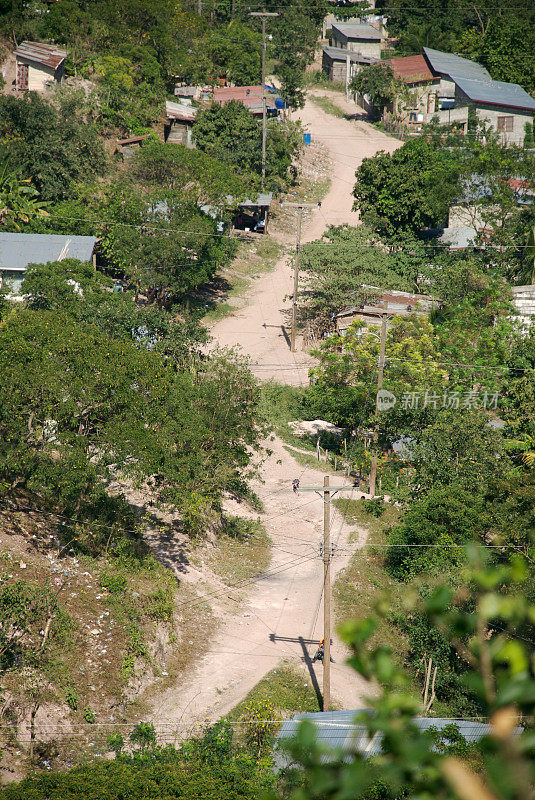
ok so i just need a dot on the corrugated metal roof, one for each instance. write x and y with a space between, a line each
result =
508 95
338 731
341 54
47 54
17 250
180 111
411 69
361 31
448 63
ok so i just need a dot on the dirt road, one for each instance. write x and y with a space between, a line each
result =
260 328
285 605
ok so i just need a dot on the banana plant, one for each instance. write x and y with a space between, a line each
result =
18 199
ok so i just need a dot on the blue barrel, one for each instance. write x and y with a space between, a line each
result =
308 138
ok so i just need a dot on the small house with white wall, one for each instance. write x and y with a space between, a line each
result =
18 250
39 66
358 37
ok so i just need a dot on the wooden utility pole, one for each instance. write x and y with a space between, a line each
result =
300 207
326 595
327 492
263 16
380 373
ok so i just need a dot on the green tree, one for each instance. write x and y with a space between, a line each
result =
379 83
480 621
408 190
52 146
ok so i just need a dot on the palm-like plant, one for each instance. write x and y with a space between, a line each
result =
18 199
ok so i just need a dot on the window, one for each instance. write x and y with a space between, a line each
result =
505 124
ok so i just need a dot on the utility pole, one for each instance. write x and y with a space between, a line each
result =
300 207
326 595
380 373
327 492
263 16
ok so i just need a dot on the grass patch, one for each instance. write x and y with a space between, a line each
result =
359 586
286 688
354 513
327 105
243 550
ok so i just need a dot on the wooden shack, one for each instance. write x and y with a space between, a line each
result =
372 302
39 66
179 123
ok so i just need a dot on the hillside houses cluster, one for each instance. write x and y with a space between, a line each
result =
441 86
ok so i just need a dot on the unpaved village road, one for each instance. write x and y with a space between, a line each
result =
258 328
286 603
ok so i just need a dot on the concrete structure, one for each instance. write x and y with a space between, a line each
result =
444 65
524 302
373 301
468 87
126 147
360 38
340 64
424 90
505 107
39 66
339 734
17 250
179 123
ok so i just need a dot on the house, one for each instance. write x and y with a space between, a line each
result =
505 107
524 302
424 90
179 123
373 301
341 65
339 735
358 37
250 96
17 250
444 65
39 66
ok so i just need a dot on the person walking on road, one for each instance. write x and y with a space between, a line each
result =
320 652
295 485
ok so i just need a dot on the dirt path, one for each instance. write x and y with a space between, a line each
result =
260 328
286 603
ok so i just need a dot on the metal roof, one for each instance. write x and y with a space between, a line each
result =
180 111
509 95
341 54
17 250
360 31
411 69
338 731
47 54
448 63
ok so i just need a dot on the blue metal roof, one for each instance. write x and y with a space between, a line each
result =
448 63
337 731
509 95
17 250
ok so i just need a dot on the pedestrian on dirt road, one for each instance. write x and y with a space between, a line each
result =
295 485
320 652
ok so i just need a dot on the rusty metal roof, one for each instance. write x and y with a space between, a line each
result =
411 69
48 54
